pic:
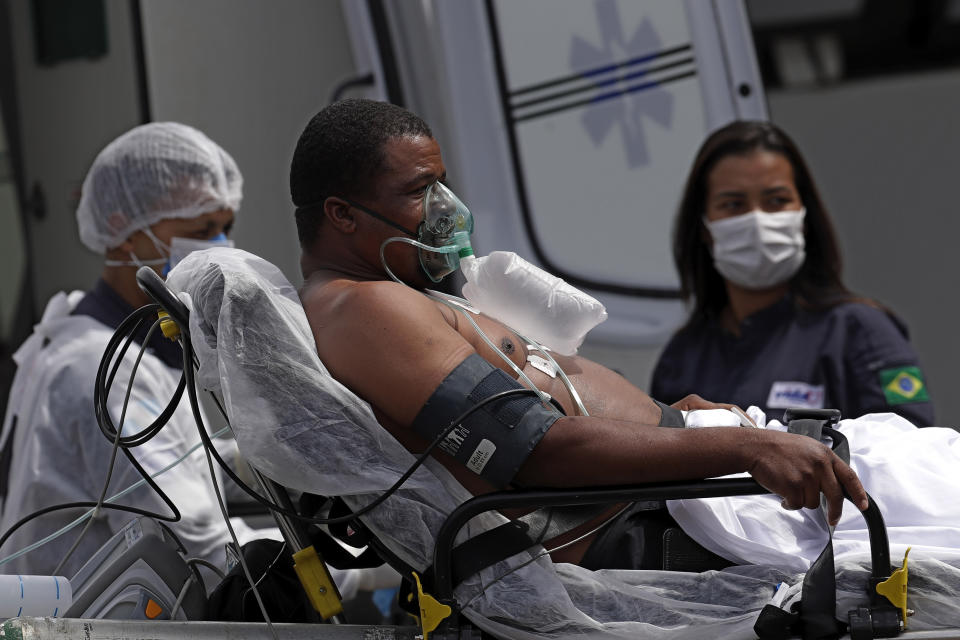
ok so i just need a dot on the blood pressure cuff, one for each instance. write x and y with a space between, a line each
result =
669 417
496 439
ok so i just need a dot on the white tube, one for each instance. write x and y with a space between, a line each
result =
59 532
47 596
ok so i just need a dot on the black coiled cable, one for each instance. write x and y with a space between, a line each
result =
195 406
104 381
125 334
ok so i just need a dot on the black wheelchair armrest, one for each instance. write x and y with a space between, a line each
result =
443 578
443 550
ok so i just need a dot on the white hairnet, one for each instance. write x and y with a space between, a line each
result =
152 172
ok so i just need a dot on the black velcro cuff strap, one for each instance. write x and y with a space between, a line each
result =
495 440
669 417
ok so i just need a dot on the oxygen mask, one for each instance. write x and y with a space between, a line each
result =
443 236
445 230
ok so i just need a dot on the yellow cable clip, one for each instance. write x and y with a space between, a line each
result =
169 327
894 588
432 613
317 583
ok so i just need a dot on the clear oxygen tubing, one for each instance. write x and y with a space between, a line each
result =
563 375
545 552
83 517
581 409
233 536
113 453
451 249
80 519
574 395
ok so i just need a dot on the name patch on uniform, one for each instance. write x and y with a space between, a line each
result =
902 385
797 395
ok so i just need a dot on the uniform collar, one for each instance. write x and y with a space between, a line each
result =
763 321
105 305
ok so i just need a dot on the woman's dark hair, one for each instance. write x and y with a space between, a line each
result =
818 283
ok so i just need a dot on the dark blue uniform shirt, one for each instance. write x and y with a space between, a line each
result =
852 357
105 305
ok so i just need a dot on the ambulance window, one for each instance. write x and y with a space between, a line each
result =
605 115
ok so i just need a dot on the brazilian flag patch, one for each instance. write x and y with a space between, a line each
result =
903 385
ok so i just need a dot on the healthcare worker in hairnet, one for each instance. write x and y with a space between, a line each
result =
151 196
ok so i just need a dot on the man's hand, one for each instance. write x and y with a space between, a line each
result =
693 402
799 468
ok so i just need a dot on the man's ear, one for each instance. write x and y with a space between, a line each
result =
340 214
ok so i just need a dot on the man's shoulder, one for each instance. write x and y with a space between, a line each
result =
348 301
859 316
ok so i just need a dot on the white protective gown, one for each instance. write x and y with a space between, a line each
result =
60 455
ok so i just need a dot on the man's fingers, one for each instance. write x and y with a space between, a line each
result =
745 420
792 502
693 402
848 478
834 497
811 498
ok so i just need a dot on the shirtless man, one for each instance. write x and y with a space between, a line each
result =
359 176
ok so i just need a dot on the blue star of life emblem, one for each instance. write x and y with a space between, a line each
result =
613 107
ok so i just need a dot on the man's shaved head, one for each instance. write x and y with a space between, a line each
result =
340 152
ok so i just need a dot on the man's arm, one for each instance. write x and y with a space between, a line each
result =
393 347
585 451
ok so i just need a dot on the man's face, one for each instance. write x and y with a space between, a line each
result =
411 164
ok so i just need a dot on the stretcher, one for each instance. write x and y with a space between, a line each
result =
440 606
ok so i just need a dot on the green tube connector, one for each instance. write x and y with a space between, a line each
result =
462 240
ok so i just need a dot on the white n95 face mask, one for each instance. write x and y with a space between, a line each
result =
758 250
180 248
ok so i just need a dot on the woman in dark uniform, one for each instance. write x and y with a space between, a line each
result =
772 323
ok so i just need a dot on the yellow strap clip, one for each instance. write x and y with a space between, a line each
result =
169 327
317 583
432 613
894 588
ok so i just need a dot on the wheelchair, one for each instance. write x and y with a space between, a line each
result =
431 593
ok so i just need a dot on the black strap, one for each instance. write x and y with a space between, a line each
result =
339 558
669 417
818 600
840 445
352 534
816 616
546 524
510 538
774 623
479 552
